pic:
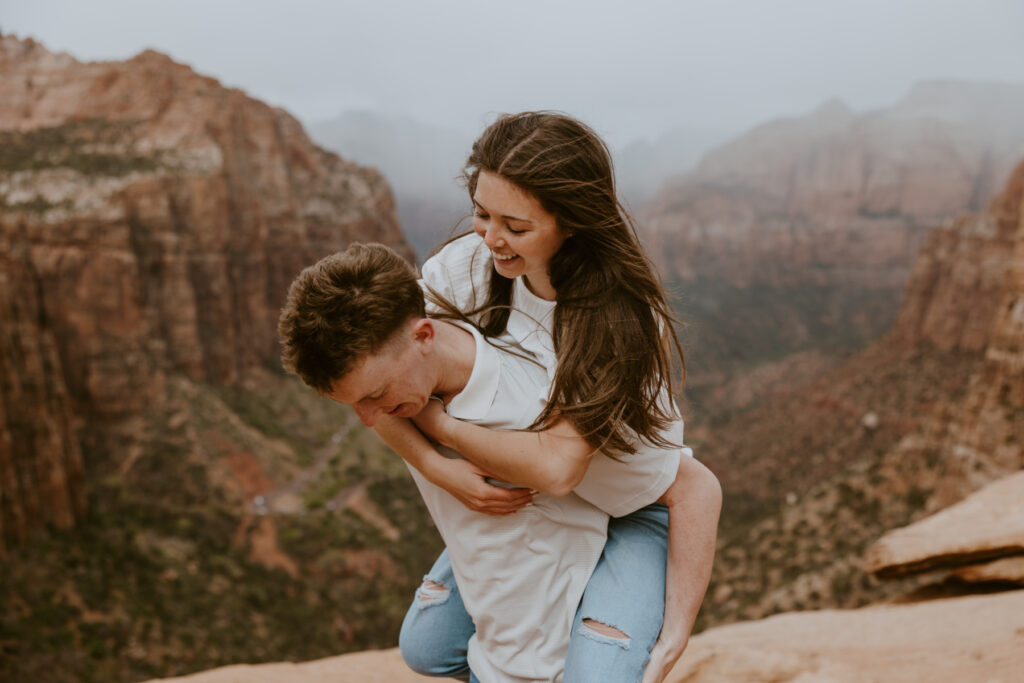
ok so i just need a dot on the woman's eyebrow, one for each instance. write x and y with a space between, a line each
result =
506 217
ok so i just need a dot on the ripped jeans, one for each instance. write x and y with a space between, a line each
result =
626 592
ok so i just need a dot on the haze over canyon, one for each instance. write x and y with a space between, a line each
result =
852 288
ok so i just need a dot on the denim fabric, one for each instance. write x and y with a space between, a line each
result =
626 592
436 630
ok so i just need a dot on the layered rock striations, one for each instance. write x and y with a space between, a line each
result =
801 233
150 222
986 525
922 418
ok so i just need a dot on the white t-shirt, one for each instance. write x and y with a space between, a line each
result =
460 273
520 576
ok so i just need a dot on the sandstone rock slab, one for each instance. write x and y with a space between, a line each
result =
987 524
977 638
1010 569
372 666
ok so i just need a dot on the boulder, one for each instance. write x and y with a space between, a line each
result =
1007 569
987 524
977 638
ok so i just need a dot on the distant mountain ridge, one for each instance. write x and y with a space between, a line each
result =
799 235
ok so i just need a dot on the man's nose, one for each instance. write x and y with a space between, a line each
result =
368 415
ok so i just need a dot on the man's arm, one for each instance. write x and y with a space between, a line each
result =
694 502
461 478
553 460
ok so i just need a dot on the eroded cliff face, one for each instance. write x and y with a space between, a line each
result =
150 223
924 417
801 234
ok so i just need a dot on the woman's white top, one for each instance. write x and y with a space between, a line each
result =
460 273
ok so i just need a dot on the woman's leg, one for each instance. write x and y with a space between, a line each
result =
620 615
437 628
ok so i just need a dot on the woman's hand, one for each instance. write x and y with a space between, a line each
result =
663 658
433 421
465 481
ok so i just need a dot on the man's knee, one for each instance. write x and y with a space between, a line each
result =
431 592
421 643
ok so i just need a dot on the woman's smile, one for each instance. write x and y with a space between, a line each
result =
521 235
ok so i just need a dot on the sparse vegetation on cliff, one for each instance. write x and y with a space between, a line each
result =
163 577
92 147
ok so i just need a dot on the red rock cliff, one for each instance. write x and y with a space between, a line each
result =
150 222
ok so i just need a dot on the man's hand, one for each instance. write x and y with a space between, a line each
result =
465 481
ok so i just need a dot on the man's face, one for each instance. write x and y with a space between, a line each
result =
394 381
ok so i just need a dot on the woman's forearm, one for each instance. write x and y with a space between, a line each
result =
403 438
463 480
552 461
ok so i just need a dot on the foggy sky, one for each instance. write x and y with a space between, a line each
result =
632 69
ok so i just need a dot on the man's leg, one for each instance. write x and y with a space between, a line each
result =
437 628
621 612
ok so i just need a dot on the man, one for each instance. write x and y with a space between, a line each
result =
355 329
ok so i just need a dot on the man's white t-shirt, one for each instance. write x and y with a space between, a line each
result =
520 576
460 272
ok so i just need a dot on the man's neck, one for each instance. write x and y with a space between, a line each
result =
456 353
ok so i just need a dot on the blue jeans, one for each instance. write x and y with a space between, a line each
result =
625 592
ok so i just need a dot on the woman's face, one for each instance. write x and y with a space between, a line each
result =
520 233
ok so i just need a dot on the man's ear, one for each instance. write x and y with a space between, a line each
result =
423 332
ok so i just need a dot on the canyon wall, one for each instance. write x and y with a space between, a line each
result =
150 223
925 416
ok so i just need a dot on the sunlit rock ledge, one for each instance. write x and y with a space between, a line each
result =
372 666
976 638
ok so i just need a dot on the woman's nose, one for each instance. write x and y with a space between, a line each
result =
491 238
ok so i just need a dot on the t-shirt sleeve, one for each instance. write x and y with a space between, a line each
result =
622 486
458 272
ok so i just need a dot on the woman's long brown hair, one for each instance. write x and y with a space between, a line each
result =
613 332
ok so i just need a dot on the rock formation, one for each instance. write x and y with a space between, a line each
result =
377 666
910 426
801 234
150 222
947 641
973 638
988 524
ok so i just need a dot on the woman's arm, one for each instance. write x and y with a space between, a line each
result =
553 460
461 478
694 501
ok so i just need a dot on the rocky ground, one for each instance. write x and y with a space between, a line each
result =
976 637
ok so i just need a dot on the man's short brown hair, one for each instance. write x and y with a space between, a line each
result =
343 308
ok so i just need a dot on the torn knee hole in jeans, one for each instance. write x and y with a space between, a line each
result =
603 633
431 592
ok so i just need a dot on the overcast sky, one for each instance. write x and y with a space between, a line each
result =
631 69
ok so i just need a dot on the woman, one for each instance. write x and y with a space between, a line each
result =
555 267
